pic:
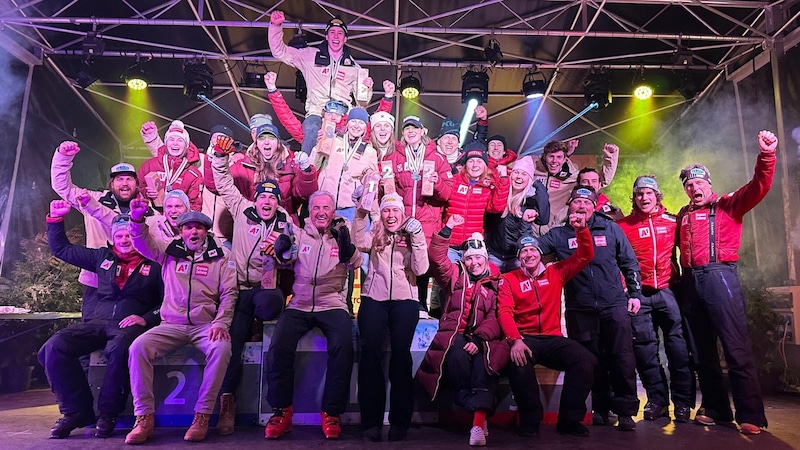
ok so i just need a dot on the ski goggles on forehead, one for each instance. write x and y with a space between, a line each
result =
476 244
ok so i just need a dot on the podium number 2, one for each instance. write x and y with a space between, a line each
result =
172 398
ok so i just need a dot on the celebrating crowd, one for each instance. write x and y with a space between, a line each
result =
195 245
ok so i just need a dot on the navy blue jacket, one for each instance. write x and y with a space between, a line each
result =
141 294
599 285
502 233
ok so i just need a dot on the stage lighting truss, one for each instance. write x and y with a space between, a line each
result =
136 76
642 90
534 85
410 85
597 89
475 86
198 80
300 87
92 45
253 76
85 77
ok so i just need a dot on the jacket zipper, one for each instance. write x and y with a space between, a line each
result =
655 252
189 297
316 270
391 268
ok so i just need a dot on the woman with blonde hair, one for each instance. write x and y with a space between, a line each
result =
527 209
398 254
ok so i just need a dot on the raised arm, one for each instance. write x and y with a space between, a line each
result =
143 242
60 177
610 160
62 248
419 247
223 179
442 269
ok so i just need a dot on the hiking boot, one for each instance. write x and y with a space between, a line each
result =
653 411
197 432
142 429
279 424
626 423
331 425
477 437
227 415
682 414
105 426
372 434
600 418
64 426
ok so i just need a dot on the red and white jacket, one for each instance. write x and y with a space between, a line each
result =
472 201
693 230
652 237
532 306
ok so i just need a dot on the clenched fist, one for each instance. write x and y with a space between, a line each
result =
149 132
224 145
59 208
481 113
388 88
69 148
767 141
455 220
138 210
270 80
276 18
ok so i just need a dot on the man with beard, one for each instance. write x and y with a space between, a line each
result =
199 297
329 70
529 312
651 231
597 307
122 187
325 253
175 166
709 236
257 227
129 293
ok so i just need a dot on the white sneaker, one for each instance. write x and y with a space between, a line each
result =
485 429
476 437
424 315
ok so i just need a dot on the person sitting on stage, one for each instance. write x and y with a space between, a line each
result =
199 298
468 349
128 296
529 312
324 255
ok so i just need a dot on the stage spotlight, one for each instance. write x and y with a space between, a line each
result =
597 89
92 45
410 85
493 53
298 41
475 86
688 88
300 87
534 84
683 56
198 81
253 76
642 90
84 79
135 76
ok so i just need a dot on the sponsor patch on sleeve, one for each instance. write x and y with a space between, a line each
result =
106 264
573 242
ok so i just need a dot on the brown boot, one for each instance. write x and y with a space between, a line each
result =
197 432
227 414
142 429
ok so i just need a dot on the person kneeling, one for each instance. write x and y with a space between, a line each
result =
529 313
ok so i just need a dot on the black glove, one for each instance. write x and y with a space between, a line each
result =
336 225
282 244
346 247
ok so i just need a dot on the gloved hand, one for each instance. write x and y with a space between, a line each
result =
283 246
302 160
357 193
224 145
342 235
413 226
149 132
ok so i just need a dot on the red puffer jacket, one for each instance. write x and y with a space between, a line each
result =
190 180
482 323
652 237
428 210
730 208
504 161
473 201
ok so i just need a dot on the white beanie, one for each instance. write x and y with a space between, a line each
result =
476 240
382 117
177 129
392 200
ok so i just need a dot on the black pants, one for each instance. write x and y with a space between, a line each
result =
715 308
467 373
292 325
558 353
264 304
607 334
60 358
399 320
422 291
660 311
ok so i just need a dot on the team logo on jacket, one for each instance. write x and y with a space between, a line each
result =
145 270
525 286
305 249
572 242
543 282
253 230
213 253
644 232
106 264
701 216
661 230
684 220
182 267
334 252
477 190
600 241
201 270
462 189
554 184
340 75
